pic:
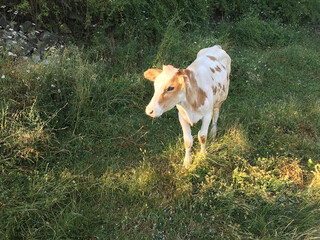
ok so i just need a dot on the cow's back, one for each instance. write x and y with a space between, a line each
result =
217 52
211 69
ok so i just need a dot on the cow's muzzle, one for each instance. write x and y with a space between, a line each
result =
153 112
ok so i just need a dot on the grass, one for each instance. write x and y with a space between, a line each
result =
81 160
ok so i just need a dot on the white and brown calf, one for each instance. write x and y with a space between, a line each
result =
197 91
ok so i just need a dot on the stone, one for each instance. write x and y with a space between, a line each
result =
32 38
12 54
28 42
36 58
2 33
65 29
75 16
15 26
41 47
25 49
48 38
3 22
27 26
6 35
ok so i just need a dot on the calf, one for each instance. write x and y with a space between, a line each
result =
197 91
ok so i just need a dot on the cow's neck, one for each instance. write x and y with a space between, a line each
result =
193 96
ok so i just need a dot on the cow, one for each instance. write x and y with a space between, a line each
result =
197 91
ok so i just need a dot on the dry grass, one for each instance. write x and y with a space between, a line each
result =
315 182
292 172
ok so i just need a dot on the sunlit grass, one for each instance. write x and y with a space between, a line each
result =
79 158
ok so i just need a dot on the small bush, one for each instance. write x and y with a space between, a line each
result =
147 21
292 12
254 32
24 137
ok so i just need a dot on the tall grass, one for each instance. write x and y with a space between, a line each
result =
80 160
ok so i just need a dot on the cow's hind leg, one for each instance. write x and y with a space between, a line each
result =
187 138
215 116
202 135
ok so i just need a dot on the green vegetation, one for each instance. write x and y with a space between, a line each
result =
79 159
147 20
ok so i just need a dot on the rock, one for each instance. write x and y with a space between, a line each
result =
36 58
15 26
65 29
6 35
24 41
27 59
3 22
32 38
75 16
41 47
26 49
27 26
10 54
2 33
49 38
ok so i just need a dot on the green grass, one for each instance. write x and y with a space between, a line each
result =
80 159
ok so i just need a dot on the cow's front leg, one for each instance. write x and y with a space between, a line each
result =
187 138
202 134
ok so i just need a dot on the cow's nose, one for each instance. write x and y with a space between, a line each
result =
149 111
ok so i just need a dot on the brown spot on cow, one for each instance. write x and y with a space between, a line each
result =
202 139
195 95
214 90
220 86
218 69
212 70
224 88
212 58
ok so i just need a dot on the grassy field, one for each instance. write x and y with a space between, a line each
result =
79 159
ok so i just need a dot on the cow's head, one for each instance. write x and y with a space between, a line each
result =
169 85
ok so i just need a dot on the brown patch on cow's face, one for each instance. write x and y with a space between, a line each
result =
220 86
212 58
195 95
169 88
218 69
224 88
212 70
170 94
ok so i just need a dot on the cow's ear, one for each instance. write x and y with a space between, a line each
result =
151 74
183 77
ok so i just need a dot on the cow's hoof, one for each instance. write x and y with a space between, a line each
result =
203 152
187 165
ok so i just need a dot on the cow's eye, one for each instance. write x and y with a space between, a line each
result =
170 89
